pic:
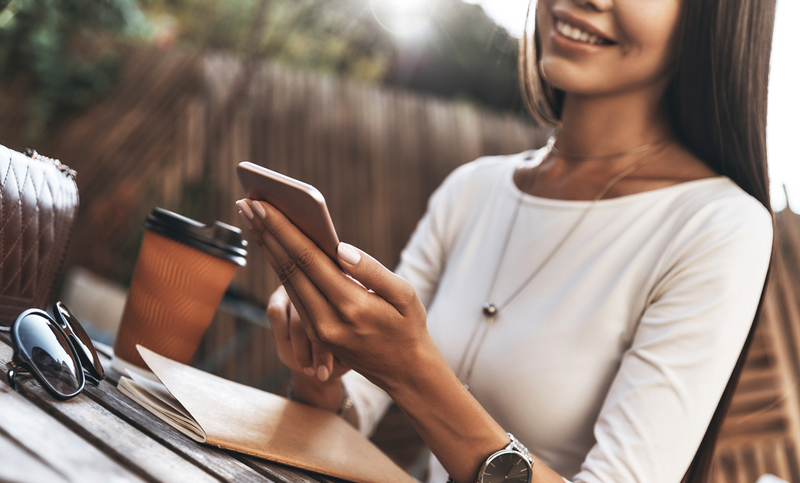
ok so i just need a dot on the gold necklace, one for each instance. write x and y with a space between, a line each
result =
490 310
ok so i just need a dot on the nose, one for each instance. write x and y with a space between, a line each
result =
595 5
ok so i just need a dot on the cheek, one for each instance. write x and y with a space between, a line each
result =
649 29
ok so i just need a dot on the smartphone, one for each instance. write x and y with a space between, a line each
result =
300 202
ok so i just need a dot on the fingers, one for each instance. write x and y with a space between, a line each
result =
246 213
369 272
322 359
301 347
316 355
294 351
292 341
313 358
304 260
278 314
277 263
301 289
311 306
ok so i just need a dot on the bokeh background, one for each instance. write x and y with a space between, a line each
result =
154 102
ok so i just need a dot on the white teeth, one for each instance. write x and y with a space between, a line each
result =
576 34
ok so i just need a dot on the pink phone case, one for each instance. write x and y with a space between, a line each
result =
302 204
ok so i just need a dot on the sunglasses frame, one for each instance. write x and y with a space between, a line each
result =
21 361
86 352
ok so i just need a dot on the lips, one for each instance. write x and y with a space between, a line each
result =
577 34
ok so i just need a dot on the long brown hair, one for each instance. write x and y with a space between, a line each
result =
717 103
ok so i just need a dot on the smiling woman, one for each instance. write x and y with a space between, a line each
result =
784 99
596 297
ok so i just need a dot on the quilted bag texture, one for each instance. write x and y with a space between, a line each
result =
38 206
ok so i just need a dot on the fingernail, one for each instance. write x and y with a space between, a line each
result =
308 371
323 373
348 253
260 209
242 204
246 221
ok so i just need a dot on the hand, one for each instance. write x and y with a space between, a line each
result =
294 348
380 333
316 373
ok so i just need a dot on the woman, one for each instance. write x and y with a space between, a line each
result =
591 298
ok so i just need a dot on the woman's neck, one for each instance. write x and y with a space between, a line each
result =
598 125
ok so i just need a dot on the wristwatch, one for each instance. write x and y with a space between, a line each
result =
512 464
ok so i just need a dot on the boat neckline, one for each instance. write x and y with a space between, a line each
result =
534 158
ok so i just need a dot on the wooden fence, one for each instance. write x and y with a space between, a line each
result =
761 433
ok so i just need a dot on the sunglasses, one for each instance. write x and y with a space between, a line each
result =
54 349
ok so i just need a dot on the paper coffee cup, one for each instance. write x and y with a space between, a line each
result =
181 274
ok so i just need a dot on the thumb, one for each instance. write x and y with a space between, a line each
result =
323 361
372 275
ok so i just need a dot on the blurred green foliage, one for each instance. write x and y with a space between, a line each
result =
67 49
325 35
453 49
41 39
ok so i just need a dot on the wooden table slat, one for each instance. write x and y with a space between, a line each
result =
46 448
282 473
18 464
111 435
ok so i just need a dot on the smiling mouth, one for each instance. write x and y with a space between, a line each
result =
574 33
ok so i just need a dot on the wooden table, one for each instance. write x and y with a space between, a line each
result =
103 436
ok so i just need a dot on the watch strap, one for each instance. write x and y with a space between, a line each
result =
520 448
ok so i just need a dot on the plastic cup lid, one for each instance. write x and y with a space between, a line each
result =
218 239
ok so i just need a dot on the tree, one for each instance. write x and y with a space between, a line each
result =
457 51
44 41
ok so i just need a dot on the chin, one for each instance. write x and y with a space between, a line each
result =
582 80
570 78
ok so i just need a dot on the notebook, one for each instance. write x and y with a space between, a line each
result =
232 416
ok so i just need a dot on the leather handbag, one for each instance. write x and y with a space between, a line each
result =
38 206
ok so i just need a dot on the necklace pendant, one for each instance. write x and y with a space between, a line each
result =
489 309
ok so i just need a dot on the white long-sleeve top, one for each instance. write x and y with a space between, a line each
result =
610 363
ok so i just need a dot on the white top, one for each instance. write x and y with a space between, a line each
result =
609 365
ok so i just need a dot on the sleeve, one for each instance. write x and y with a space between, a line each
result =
423 259
421 264
687 342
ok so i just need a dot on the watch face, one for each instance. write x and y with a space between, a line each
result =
507 467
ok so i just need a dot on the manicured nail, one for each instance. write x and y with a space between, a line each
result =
246 221
308 371
260 209
348 253
323 373
242 204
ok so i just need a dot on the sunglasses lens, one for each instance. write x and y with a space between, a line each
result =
48 352
80 340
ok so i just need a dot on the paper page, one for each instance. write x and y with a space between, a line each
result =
160 409
161 392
